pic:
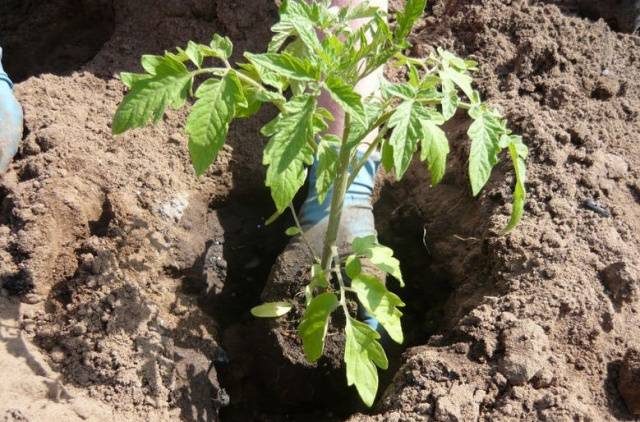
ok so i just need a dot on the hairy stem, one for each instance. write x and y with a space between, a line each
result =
337 199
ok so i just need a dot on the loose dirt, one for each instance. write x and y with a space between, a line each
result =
126 281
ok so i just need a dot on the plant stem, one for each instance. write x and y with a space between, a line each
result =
337 199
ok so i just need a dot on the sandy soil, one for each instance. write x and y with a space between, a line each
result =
123 275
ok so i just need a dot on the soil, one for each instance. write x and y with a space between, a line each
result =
126 280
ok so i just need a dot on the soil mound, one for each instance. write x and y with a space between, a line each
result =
127 272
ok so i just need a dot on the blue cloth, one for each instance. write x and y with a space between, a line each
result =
357 199
10 120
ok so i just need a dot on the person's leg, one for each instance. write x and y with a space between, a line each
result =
10 120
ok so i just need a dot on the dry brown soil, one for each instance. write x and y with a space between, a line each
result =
126 281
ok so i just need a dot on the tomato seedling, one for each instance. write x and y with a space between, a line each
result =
314 49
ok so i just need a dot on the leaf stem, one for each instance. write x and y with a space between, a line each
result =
372 147
303 235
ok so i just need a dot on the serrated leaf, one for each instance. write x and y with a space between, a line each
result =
307 34
434 149
387 156
460 79
129 79
381 256
362 353
221 47
407 130
271 309
373 109
403 91
518 152
405 19
352 266
148 98
380 303
150 62
483 155
326 169
208 122
449 99
194 53
292 231
288 150
343 94
313 327
253 102
285 65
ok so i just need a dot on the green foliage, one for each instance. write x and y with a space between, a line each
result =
313 327
314 49
271 309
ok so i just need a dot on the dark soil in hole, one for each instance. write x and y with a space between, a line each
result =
59 36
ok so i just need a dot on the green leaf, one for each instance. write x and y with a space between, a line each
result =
407 130
313 327
362 353
462 80
221 47
326 170
286 65
449 99
343 94
518 152
380 303
208 122
271 309
318 280
253 102
292 231
288 150
373 109
404 91
150 62
194 53
130 79
307 34
381 256
434 150
148 98
484 148
405 19
352 266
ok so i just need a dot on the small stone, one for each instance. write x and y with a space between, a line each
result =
629 380
526 350
32 298
176 138
622 281
543 378
57 354
78 329
617 167
461 348
606 87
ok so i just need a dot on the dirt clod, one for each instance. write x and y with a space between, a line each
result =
526 349
629 381
622 280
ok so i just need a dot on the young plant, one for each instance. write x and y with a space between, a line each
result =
314 49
